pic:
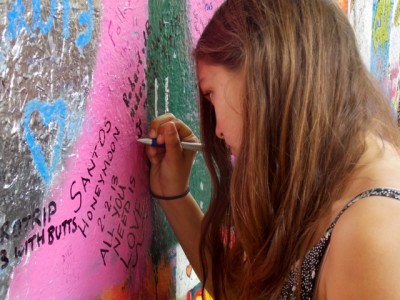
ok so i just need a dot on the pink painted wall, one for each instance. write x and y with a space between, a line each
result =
98 239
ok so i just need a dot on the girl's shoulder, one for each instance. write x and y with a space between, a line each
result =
363 260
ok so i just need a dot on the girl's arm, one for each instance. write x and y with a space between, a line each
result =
169 176
185 216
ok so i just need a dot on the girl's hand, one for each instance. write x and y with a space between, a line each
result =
170 166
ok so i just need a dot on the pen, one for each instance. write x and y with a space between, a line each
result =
185 145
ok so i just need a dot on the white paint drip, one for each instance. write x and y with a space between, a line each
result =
166 94
155 97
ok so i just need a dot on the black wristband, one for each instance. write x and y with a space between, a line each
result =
170 197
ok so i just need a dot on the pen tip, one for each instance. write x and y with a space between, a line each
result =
144 141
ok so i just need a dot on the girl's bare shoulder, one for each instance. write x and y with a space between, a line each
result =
364 256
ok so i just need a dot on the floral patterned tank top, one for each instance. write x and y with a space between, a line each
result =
313 258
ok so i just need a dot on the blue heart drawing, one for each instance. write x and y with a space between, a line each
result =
49 112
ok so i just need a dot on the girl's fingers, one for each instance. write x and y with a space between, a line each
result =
157 122
172 142
184 132
152 155
171 165
170 131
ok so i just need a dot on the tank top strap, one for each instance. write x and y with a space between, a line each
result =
314 257
382 192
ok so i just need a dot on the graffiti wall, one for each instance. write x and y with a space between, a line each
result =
79 81
377 27
75 216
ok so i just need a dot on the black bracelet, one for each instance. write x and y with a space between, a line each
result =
170 197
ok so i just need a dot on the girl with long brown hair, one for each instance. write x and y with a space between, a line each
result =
307 207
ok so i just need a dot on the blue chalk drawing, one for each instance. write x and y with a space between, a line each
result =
49 112
86 18
66 11
16 20
17 14
37 20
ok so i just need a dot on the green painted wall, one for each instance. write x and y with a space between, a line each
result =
172 87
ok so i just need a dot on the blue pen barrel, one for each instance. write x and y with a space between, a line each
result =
185 145
155 144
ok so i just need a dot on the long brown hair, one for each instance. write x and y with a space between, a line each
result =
308 102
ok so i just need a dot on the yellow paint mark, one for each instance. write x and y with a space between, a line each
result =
207 296
397 15
380 30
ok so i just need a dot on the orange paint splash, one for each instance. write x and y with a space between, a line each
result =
344 5
149 289
116 294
